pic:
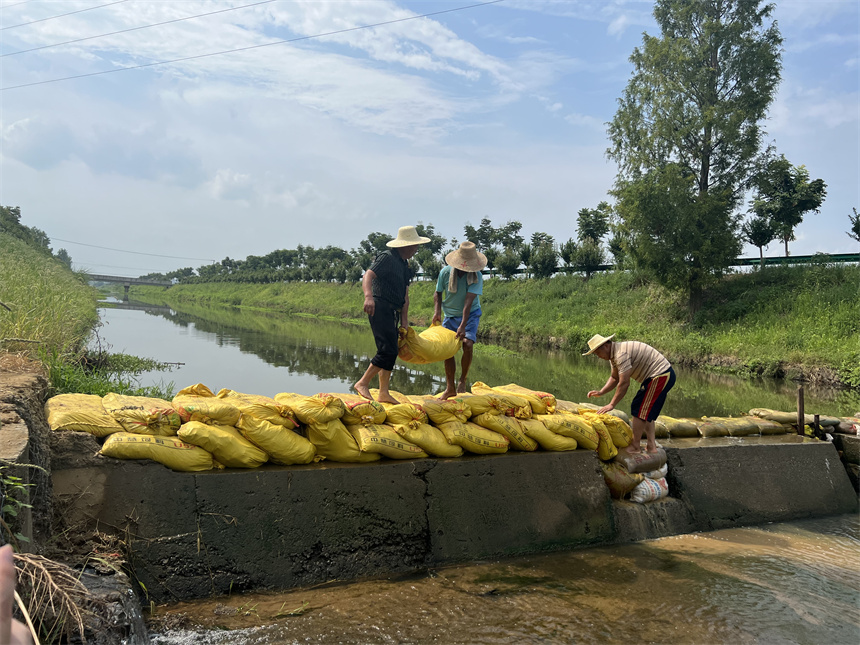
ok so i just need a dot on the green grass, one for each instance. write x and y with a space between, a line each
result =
47 307
775 322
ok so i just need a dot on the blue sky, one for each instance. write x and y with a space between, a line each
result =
493 111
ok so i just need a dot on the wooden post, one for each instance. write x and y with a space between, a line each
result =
800 412
816 427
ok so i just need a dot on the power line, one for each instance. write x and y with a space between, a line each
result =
9 6
71 13
123 31
155 255
249 47
110 266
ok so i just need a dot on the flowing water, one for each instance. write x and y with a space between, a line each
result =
796 582
266 353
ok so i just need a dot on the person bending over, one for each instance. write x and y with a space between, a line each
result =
458 296
644 364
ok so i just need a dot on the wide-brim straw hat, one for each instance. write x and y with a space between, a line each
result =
467 258
596 341
407 236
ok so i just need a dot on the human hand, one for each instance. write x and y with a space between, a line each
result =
605 409
369 305
437 319
12 631
461 331
593 394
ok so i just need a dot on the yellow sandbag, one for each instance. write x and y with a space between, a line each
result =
606 449
780 417
360 411
334 442
660 429
768 427
618 479
486 404
198 389
547 439
712 428
736 426
445 411
432 345
573 426
570 406
208 410
405 414
431 440
519 405
507 427
80 412
173 453
143 415
621 433
473 438
382 439
541 402
680 427
225 443
261 407
319 408
283 446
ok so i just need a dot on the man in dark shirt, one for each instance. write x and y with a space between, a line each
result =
386 303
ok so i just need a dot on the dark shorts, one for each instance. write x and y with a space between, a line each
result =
384 323
651 396
471 324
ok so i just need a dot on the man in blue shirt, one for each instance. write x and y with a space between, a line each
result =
458 296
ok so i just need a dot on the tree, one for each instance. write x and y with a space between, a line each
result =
854 233
688 126
484 236
783 194
544 261
525 253
10 223
509 235
63 256
588 257
507 263
593 223
758 232
540 239
567 252
436 241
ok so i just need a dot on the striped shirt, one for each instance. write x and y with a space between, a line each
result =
393 276
641 360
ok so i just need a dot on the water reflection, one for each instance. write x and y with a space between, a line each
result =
267 353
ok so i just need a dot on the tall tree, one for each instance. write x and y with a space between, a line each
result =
688 126
784 194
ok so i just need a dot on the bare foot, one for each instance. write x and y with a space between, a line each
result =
447 394
652 450
363 391
631 449
387 398
461 387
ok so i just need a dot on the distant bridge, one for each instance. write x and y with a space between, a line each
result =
127 282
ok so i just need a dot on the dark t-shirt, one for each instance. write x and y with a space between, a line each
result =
393 276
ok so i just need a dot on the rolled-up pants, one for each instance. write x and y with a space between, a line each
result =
384 323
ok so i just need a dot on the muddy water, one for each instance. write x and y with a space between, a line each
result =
795 582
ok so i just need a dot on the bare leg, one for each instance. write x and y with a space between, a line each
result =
450 372
638 425
384 394
362 386
465 364
650 432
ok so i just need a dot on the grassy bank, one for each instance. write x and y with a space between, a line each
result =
797 322
47 316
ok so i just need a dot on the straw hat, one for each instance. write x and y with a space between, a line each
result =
596 341
467 258
407 236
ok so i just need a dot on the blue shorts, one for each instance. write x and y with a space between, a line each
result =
471 324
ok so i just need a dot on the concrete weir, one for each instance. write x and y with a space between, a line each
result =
194 535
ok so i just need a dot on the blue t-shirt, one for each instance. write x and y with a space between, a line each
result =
453 303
